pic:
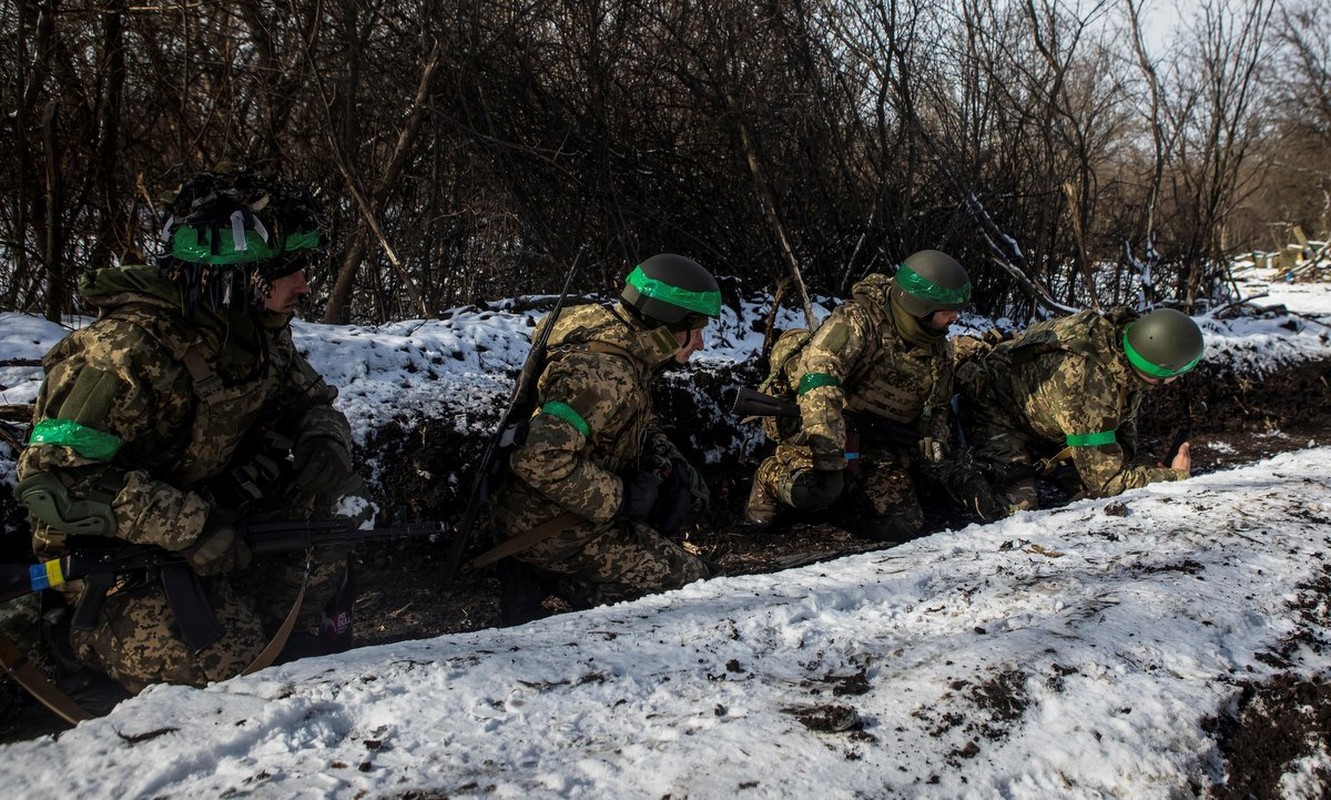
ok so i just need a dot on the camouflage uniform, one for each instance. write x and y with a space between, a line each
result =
877 364
595 424
125 376
1062 388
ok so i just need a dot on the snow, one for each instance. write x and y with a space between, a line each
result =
1082 652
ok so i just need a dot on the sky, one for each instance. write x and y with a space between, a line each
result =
1076 653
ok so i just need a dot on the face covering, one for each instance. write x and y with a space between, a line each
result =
912 329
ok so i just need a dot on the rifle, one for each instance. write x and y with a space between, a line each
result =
262 538
752 403
99 569
509 435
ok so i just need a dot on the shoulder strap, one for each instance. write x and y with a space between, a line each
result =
207 386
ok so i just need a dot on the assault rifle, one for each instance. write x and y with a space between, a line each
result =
99 568
752 403
509 435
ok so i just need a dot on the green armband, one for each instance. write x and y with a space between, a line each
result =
1092 439
566 412
89 442
814 380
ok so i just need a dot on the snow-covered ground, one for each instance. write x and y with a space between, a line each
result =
1081 652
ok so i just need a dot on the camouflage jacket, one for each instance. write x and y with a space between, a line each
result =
863 365
125 376
1067 382
594 422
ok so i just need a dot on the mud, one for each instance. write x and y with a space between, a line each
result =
1233 420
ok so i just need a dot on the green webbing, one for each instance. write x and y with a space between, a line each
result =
708 303
1139 361
1091 439
813 380
193 244
90 443
565 412
916 284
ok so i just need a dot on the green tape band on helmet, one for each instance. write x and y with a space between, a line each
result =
813 380
194 245
565 412
914 283
708 303
90 443
1092 439
1139 361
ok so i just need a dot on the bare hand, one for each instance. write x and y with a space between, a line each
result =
1183 461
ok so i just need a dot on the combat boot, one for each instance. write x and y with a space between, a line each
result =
761 509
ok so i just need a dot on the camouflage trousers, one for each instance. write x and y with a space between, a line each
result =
620 560
1009 456
137 642
879 500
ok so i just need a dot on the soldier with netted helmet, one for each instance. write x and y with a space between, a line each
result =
873 385
1069 390
183 411
597 493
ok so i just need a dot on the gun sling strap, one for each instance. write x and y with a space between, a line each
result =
27 675
524 540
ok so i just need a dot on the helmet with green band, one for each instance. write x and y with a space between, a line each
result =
672 290
231 232
930 281
1163 343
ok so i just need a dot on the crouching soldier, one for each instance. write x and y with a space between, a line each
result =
1069 389
873 385
181 412
595 492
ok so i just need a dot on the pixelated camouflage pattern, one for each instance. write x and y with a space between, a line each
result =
881 374
124 375
601 362
886 505
1065 376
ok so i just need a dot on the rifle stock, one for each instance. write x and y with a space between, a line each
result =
752 403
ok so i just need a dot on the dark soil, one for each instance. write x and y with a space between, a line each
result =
1233 421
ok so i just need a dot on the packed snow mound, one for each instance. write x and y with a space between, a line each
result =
1078 653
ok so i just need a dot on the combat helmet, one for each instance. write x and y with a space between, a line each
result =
929 281
231 232
672 290
1163 343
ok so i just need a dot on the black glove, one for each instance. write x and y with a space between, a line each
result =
219 548
641 489
674 504
321 462
979 496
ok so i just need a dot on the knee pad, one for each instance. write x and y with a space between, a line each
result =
815 490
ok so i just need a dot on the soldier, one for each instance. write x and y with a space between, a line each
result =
168 421
1071 388
873 385
596 489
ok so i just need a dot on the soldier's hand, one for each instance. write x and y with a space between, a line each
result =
1183 460
641 490
219 548
321 462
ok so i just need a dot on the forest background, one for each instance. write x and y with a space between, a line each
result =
469 150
